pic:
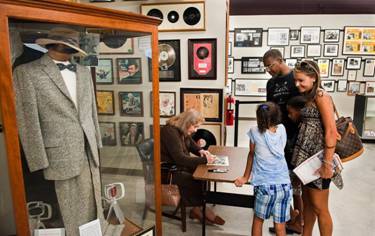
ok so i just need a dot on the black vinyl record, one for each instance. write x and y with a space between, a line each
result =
192 16
204 138
155 13
202 53
173 16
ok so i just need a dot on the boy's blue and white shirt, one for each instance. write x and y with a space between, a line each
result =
269 165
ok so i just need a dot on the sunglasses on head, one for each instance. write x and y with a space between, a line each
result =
305 66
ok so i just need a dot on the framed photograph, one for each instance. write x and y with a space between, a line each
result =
291 62
202 59
297 51
230 65
252 65
104 72
207 101
362 88
353 88
131 133
105 102
229 48
369 70
250 87
370 89
331 35
215 129
131 103
338 67
314 50
280 49
167 104
293 35
129 70
328 85
108 133
342 85
310 35
352 75
147 232
359 41
278 37
353 63
228 87
169 61
323 67
116 44
248 37
331 50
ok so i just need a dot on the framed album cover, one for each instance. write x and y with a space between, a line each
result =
331 35
370 89
359 40
129 70
108 133
207 101
230 65
169 61
248 37
353 63
297 51
252 65
369 69
202 59
328 85
116 44
331 50
105 102
338 67
131 103
293 35
104 72
167 104
278 37
314 50
291 62
310 35
353 88
323 67
250 87
352 75
131 133
342 85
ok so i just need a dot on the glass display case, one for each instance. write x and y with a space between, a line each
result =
78 79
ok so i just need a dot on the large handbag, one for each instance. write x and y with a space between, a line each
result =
170 194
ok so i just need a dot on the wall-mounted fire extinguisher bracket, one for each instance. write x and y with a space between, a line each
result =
229 112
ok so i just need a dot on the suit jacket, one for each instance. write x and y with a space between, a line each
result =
52 130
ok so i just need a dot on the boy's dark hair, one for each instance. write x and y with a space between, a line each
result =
273 53
268 115
297 102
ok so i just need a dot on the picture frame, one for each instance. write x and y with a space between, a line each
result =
250 87
353 63
104 71
228 87
369 67
278 37
331 35
252 65
310 35
370 88
147 232
337 68
131 133
116 44
297 51
328 85
248 37
131 103
129 70
169 61
215 129
353 88
291 62
323 64
280 49
342 85
207 101
230 65
108 133
362 88
294 35
331 50
202 59
359 40
229 48
314 50
352 75
105 102
167 103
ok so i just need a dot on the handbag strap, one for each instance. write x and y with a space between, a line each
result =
334 108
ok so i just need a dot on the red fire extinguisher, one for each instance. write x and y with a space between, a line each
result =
229 114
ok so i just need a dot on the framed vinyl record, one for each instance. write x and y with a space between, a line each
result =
202 59
169 61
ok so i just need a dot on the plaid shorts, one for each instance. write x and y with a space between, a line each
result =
273 200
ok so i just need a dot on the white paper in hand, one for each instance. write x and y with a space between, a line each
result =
91 229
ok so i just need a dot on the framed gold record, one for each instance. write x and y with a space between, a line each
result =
169 61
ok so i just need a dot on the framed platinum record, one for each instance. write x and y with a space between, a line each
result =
169 61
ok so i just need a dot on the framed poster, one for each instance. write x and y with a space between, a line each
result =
250 87
207 101
252 65
104 72
353 88
169 61
129 70
352 75
105 102
167 104
331 35
369 70
310 35
370 89
202 58
291 62
338 67
248 37
131 133
229 48
359 41
353 63
314 50
108 133
293 35
116 44
328 85
323 67
280 49
278 37
297 51
342 85
131 103
230 65
331 50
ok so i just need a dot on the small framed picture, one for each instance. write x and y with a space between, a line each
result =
104 72
169 61
352 75
131 103
293 35
358 40
229 48
167 104
370 89
278 36
250 87
338 67
105 102
297 51
353 88
310 35
328 85
362 88
131 133
252 65
323 67
230 65
314 50
291 62
202 59
280 49
342 85
129 70
331 35
108 133
353 63
331 50
248 37
369 70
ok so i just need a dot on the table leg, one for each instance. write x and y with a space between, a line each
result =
204 188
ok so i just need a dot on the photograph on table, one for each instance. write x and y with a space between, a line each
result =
314 50
250 87
370 89
338 65
129 70
202 59
328 85
342 85
359 41
131 103
291 62
323 67
352 75
207 101
116 44
105 102
131 133
252 65
331 50
108 133
167 104
280 49
353 88
369 69
293 35
278 37
169 61
248 37
331 35
353 63
310 35
297 51
230 65
104 72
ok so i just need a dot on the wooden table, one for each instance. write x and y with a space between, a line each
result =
237 163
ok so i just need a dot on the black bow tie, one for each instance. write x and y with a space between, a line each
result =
71 67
